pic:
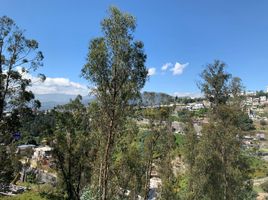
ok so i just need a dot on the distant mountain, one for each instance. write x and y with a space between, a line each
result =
49 101
156 98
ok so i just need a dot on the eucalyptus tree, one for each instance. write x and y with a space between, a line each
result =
158 143
72 147
18 56
190 152
116 69
220 169
214 84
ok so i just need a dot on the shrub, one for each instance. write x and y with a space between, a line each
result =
264 186
263 122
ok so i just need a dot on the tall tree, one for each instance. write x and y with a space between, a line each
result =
129 165
18 56
115 66
73 147
190 152
214 83
220 170
158 143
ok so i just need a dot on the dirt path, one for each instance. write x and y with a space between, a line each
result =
262 196
257 182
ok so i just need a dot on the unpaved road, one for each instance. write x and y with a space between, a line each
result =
257 182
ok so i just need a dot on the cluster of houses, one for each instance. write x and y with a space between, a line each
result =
31 155
36 153
256 106
256 101
36 159
179 106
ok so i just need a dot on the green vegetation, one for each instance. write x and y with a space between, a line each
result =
111 148
37 192
217 169
264 186
15 51
31 195
116 66
259 167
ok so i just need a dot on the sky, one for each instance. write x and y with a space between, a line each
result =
180 36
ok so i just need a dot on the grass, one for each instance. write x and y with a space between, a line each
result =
29 195
260 167
37 192
179 139
258 189
263 150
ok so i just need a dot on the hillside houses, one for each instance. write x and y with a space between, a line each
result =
256 106
179 106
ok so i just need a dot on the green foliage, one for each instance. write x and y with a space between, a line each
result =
18 56
72 147
259 167
214 83
159 144
26 196
129 164
9 165
218 152
201 112
183 115
244 122
99 151
31 177
263 122
37 192
40 124
179 139
236 87
261 93
87 194
16 50
264 186
217 167
48 192
116 67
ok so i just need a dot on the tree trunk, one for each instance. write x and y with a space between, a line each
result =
106 165
1 85
147 178
224 175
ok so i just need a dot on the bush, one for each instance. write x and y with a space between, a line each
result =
50 192
264 186
31 177
263 122
30 195
87 194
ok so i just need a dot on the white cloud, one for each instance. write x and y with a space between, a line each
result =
188 94
178 68
59 86
166 66
151 71
55 85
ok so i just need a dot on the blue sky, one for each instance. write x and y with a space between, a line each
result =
191 33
